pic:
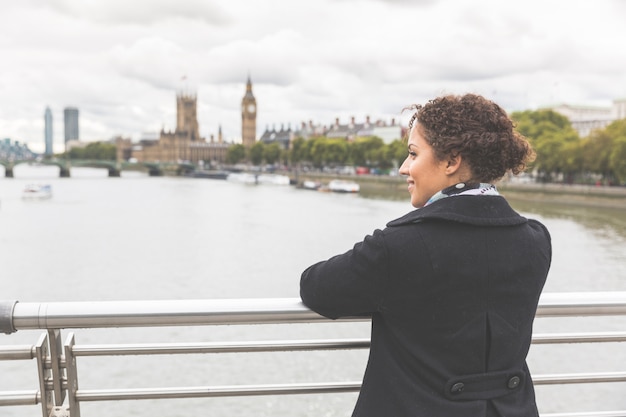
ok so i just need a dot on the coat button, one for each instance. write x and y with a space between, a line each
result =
457 388
513 382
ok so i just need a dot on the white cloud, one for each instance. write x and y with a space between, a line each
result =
121 62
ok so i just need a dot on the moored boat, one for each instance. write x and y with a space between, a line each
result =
243 177
212 174
343 186
310 185
273 179
251 178
37 192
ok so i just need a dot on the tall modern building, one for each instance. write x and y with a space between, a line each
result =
71 123
48 131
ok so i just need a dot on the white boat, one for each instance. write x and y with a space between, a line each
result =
243 177
37 192
249 178
343 186
273 179
311 185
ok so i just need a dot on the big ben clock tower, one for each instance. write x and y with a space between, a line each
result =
248 117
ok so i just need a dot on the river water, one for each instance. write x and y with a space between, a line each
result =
139 237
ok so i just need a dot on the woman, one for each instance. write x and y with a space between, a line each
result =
452 287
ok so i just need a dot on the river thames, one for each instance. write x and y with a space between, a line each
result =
139 238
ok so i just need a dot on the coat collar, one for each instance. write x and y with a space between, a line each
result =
470 209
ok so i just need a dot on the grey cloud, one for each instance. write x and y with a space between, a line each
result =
141 12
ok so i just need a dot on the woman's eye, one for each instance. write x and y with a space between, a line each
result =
412 154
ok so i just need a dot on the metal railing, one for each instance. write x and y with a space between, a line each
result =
59 394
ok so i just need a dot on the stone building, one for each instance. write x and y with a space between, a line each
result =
388 132
248 117
283 137
350 131
184 144
585 119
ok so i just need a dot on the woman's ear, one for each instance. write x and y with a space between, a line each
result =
454 164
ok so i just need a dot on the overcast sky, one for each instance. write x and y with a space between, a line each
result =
122 62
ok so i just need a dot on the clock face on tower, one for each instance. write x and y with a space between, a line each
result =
251 108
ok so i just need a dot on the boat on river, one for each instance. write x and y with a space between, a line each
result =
37 192
273 179
211 174
243 177
310 185
250 178
343 186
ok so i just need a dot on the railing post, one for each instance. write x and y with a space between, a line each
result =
56 350
41 353
72 377
52 394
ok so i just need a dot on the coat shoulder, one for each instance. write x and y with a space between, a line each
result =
475 210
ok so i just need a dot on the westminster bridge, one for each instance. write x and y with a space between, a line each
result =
114 168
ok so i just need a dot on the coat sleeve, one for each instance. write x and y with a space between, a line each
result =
351 284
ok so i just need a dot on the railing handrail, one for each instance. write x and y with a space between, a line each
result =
145 313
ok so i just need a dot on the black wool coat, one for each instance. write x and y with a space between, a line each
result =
452 289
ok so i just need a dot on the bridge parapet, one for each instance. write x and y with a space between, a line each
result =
114 169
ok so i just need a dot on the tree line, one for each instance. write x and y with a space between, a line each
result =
561 154
322 152
95 150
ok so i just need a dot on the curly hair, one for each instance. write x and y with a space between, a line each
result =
478 130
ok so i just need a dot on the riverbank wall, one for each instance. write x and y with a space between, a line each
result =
566 194
395 188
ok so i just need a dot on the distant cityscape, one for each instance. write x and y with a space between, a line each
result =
15 150
186 144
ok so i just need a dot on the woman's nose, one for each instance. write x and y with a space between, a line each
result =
404 168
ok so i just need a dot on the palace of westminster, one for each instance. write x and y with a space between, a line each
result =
186 144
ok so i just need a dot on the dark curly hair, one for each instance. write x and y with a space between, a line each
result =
477 129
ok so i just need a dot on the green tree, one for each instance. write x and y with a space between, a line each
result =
324 151
366 151
95 150
235 153
335 151
535 123
617 160
272 153
297 151
551 135
597 151
617 157
317 151
573 160
256 152
397 152
307 149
